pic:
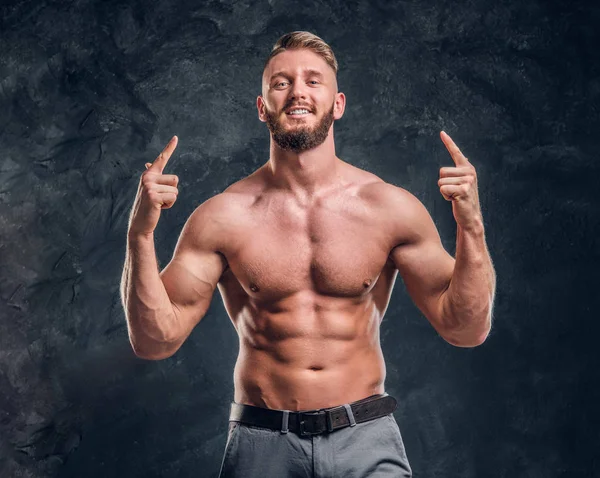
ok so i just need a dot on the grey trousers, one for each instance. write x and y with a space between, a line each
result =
371 449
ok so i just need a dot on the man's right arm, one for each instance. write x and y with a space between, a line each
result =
163 308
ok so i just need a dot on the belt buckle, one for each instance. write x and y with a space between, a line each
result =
303 431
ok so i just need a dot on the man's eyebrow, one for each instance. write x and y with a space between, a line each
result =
314 73
279 73
309 72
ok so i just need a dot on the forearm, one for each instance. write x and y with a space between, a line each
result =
151 322
468 301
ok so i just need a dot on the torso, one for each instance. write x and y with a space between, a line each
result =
306 287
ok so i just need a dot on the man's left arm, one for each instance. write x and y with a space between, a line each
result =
456 295
468 302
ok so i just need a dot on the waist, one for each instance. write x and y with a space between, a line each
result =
315 410
276 386
311 422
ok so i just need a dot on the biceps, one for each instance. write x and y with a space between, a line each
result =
190 280
426 269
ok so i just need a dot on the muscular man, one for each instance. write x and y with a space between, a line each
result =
305 252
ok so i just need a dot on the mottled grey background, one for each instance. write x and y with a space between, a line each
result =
91 90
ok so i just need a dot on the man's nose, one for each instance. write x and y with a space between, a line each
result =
298 90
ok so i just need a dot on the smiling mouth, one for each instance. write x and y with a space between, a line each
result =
298 112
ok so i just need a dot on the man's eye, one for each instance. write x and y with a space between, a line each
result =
280 83
314 82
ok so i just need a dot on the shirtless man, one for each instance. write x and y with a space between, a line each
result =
305 252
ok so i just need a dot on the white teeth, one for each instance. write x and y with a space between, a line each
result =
298 112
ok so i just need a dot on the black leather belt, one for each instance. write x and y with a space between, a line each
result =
314 422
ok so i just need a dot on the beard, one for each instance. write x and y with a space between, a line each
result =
301 138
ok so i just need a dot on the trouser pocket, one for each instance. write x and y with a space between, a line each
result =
229 446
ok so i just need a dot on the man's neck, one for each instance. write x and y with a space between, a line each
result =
306 173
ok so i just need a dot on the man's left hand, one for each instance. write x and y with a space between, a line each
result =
459 185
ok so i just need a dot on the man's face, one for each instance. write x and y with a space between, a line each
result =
300 99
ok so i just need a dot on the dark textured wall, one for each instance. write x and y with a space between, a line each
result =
91 90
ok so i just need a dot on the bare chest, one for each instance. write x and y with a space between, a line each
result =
335 249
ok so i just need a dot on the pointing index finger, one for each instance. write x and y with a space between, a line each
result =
161 161
457 156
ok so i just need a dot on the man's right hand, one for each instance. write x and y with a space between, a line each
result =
156 191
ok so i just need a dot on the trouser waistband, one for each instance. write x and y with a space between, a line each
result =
314 422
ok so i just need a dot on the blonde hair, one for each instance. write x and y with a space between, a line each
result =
310 41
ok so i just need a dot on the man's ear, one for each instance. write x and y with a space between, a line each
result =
339 106
260 106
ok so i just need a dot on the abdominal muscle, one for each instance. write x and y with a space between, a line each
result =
303 359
